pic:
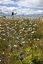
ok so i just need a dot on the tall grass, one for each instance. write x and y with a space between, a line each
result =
21 41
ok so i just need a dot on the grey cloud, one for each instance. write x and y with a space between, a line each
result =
15 0
40 4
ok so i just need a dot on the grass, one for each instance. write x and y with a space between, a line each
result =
21 41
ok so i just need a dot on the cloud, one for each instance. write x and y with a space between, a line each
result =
29 11
15 0
6 2
7 10
30 3
21 6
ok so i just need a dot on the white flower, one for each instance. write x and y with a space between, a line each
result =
8 27
4 39
29 39
20 32
35 25
30 25
30 29
3 34
15 45
0 25
23 28
17 37
0 60
3 30
23 42
9 45
22 38
34 39
36 46
33 28
30 42
38 39
13 37
2 52
6 24
8 33
33 32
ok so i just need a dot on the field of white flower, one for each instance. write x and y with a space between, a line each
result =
21 41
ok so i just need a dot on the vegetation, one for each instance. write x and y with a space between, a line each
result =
21 41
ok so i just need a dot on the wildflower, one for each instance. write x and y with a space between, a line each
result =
3 30
17 37
38 39
36 46
9 45
30 42
29 39
30 25
33 32
2 52
4 39
13 37
3 34
33 28
0 60
34 39
30 29
6 24
15 45
8 27
20 32
23 42
23 28
0 25
35 25
22 38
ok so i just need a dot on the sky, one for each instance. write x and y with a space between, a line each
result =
21 7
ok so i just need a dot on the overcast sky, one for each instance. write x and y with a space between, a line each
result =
21 6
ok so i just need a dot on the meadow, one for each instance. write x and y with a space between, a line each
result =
21 41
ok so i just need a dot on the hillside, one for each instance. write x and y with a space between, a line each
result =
21 41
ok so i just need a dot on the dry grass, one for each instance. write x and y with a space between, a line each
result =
18 36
